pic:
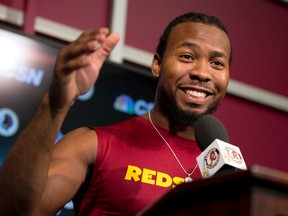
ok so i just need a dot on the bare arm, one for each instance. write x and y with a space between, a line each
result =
24 172
68 169
23 175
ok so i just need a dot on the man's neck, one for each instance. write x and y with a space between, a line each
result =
161 121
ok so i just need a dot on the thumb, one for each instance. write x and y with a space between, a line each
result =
104 49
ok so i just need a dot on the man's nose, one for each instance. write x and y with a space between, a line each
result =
200 71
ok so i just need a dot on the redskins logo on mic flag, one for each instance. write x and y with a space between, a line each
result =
212 158
218 155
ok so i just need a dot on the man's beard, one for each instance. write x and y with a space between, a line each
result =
178 118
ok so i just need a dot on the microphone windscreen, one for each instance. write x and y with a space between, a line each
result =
207 129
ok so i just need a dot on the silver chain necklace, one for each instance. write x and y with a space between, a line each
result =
188 178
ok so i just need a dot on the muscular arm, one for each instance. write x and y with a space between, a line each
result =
68 169
35 167
24 172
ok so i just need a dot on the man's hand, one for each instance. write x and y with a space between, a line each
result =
78 65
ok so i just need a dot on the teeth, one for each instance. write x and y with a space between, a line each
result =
196 94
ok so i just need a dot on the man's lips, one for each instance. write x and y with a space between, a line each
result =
196 92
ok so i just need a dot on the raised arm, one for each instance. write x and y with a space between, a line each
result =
23 175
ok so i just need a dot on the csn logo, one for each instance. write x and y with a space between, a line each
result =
9 122
124 103
24 74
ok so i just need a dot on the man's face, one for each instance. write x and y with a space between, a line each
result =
194 70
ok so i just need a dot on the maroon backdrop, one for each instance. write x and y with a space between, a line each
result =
259 32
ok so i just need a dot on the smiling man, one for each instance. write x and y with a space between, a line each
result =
193 74
122 168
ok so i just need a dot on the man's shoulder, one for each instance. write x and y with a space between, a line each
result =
128 124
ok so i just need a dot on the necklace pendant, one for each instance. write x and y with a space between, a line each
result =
188 179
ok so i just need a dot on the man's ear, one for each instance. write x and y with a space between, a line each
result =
156 65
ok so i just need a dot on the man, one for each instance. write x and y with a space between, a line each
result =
122 168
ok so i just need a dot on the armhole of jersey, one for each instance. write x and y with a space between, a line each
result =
90 172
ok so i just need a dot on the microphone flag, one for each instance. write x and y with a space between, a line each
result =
220 155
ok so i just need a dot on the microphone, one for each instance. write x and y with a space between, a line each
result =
218 155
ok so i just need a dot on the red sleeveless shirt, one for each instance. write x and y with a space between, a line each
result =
134 167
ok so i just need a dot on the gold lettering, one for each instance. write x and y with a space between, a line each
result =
147 176
177 181
133 172
163 179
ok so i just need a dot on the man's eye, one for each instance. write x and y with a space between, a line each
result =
187 57
217 63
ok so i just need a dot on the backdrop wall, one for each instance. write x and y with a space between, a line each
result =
259 32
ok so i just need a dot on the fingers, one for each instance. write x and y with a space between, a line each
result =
106 47
95 40
74 56
87 42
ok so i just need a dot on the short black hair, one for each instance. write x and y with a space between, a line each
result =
190 17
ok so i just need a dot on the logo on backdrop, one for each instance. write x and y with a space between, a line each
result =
9 122
24 74
88 95
125 103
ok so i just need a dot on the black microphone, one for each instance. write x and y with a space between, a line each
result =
207 129
217 153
